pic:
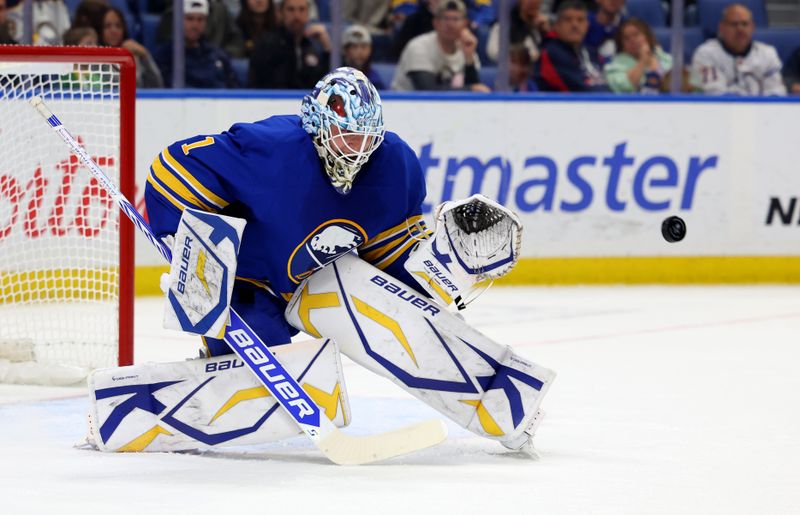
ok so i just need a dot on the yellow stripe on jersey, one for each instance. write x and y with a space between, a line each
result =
255 282
398 3
209 195
392 232
164 193
377 253
175 186
391 258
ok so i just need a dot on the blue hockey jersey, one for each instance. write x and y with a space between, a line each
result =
269 173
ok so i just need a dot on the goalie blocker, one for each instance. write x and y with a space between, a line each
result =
398 333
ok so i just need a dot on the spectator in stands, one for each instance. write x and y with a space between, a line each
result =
641 65
5 26
372 14
791 73
566 64
115 34
413 20
603 26
288 58
256 17
206 65
221 30
443 59
50 21
80 36
91 13
528 26
520 69
735 64
357 51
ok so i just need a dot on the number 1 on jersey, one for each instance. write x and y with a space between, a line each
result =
186 147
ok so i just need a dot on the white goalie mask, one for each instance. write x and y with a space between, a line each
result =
344 117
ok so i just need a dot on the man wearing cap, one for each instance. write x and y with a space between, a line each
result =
295 55
206 65
356 53
443 59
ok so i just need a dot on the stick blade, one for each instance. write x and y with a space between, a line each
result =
344 449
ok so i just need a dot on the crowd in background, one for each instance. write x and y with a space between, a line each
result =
415 45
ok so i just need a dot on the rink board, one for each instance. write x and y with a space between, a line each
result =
591 177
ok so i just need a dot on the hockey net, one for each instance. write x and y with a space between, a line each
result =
66 260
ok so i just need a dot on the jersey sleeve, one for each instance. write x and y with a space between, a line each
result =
705 73
389 249
773 80
201 173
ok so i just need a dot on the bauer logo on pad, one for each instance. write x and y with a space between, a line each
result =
202 273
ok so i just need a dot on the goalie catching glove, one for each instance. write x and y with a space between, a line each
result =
203 269
475 240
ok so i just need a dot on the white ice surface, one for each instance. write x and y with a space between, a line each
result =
669 400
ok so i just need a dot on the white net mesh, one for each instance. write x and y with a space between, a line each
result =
59 232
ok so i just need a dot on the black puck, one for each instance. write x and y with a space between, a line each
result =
673 229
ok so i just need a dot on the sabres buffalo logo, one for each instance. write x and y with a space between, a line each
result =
330 240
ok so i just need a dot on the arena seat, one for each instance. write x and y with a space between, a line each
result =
692 38
386 72
149 29
785 41
488 75
649 11
240 67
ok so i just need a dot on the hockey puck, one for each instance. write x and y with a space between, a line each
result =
673 229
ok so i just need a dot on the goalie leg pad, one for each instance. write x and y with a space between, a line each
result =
208 403
400 334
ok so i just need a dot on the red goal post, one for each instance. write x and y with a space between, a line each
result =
66 254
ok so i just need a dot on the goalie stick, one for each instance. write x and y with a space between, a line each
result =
337 446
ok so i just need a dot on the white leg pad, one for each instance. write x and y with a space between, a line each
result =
398 333
208 403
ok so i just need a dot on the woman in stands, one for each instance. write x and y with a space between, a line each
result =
255 18
115 34
640 65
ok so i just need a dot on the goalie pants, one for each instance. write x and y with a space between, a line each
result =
262 311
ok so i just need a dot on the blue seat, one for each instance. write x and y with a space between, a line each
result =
240 68
785 41
709 13
149 30
381 47
324 9
386 72
488 75
649 11
692 38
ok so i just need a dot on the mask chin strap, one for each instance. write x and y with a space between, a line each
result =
333 168
342 170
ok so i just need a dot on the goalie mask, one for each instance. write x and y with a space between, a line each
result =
344 117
